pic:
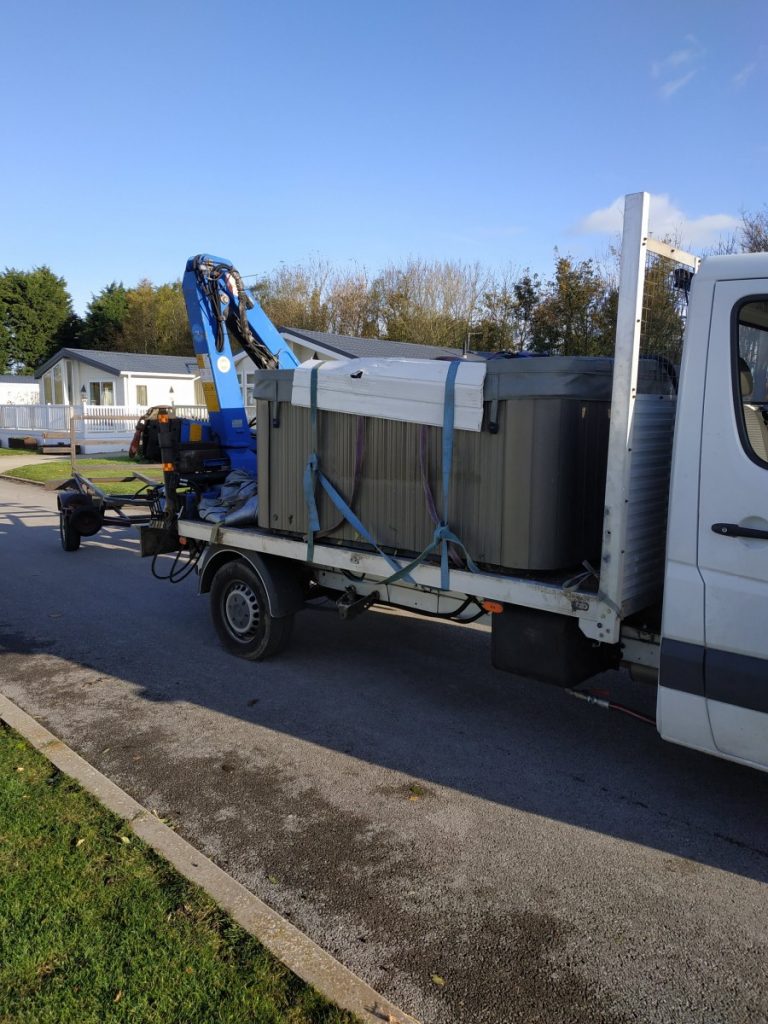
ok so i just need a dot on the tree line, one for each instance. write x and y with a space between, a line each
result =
439 302
37 319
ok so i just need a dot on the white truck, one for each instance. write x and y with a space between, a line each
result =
680 593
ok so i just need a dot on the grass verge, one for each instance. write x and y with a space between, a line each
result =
95 927
107 473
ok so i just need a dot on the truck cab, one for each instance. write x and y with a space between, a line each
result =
713 679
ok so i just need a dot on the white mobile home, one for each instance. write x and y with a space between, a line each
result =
75 376
17 390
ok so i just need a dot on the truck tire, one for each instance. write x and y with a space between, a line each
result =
70 537
241 616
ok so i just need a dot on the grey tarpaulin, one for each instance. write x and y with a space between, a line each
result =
235 503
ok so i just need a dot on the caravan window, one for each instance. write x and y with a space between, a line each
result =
58 385
102 392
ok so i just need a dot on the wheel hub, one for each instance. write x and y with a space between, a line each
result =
241 610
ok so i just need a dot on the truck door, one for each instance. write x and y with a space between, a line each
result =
733 520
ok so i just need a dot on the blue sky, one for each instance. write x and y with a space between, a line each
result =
137 134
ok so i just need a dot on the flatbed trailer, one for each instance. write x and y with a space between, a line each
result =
357 579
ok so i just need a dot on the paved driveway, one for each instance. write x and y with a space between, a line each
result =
414 811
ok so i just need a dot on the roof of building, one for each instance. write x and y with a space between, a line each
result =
125 362
369 348
17 378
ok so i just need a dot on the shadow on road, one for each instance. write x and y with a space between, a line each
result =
415 696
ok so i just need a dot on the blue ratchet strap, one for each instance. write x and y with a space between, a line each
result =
449 409
443 535
311 470
314 475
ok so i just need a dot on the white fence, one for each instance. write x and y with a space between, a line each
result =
114 420
35 417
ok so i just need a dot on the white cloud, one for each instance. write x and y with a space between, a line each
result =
671 87
742 77
666 221
678 68
603 222
693 51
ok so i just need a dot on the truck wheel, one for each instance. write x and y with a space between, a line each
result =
70 538
241 616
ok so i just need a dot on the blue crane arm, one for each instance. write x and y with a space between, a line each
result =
219 307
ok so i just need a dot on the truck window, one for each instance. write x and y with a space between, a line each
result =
751 376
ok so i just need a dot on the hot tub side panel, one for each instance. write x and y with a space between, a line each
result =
528 497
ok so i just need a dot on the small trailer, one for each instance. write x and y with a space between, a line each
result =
85 508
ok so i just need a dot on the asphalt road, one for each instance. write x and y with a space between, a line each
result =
414 811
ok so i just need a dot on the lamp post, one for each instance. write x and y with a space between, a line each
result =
170 392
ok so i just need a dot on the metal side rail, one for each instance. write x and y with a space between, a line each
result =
587 607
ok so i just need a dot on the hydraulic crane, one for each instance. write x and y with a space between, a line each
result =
220 313
219 309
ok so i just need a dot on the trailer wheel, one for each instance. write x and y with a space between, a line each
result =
70 537
241 615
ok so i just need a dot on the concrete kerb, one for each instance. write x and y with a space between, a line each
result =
298 952
21 480
48 485
9 463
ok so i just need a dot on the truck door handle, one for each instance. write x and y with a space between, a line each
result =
734 530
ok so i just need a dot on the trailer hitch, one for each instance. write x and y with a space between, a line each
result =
351 604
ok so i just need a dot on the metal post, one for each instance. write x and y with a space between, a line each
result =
625 367
72 439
